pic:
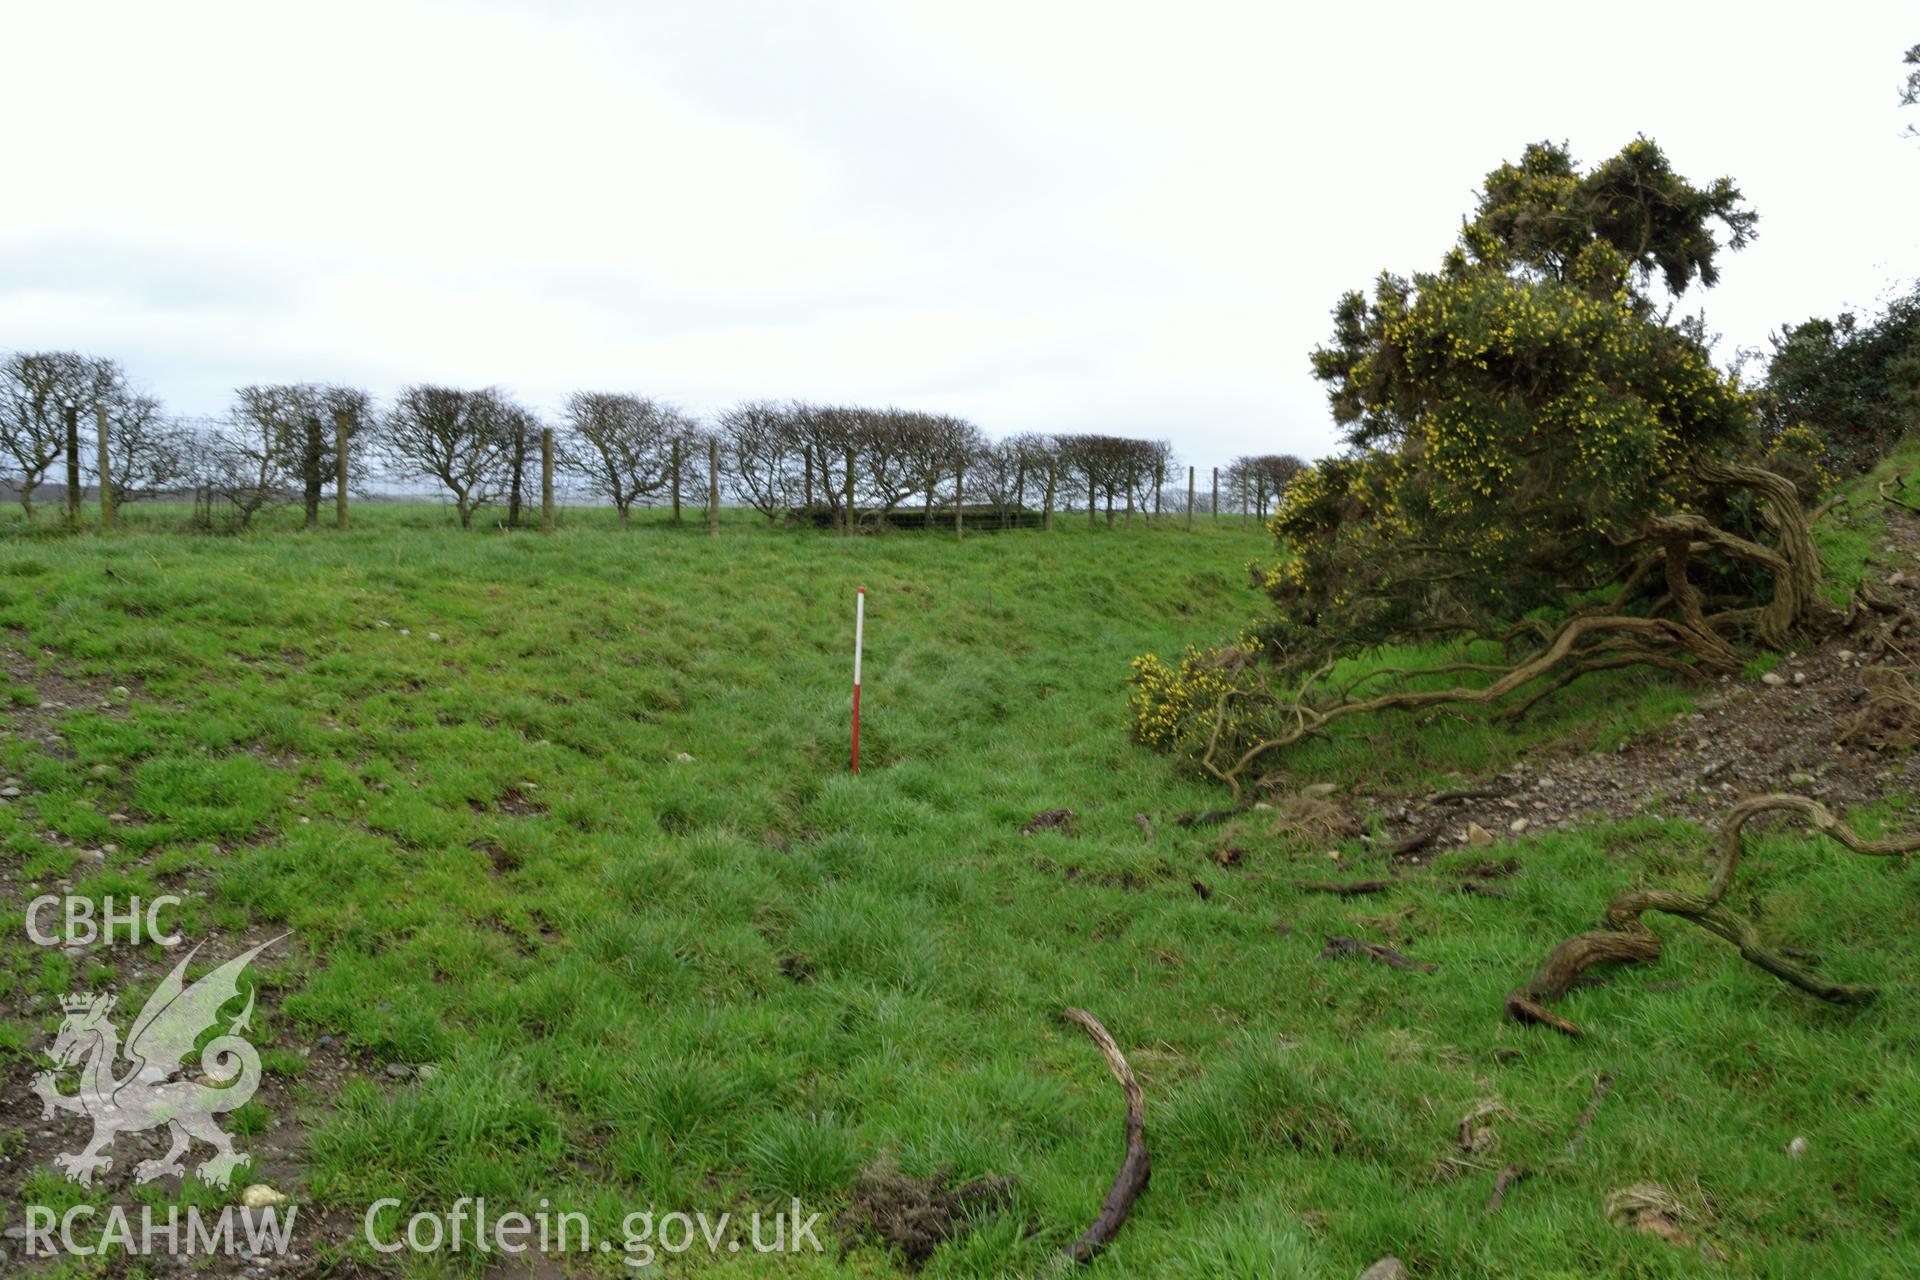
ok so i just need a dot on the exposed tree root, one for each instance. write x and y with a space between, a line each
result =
1897 501
1626 939
1412 842
1135 1166
1502 1181
1682 631
1302 716
1521 1009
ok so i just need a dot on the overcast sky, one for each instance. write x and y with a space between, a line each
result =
1042 216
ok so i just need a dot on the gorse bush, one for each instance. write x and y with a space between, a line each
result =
1516 416
1852 381
1538 454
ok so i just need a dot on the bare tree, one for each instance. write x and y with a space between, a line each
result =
762 449
1270 474
306 418
149 454
1104 466
622 445
825 433
457 437
35 388
890 457
1042 472
997 472
251 459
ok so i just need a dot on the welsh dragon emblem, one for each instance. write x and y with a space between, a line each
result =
154 1091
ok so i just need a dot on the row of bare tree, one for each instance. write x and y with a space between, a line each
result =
821 463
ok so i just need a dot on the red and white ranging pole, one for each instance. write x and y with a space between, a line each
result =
859 634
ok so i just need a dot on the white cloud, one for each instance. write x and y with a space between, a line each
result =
1041 215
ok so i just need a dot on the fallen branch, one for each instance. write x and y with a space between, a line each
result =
1349 889
1135 1167
1338 947
1626 939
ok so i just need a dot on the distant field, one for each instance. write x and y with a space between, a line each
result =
452 765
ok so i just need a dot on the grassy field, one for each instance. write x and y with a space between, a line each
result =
568 818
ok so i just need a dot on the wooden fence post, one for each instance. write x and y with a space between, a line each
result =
959 496
713 486
73 465
1159 483
106 476
1189 499
1216 495
546 479
342 437
846 510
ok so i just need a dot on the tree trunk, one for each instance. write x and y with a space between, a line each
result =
312 454
73 466
342 438
676 481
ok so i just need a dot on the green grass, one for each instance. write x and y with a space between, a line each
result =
450 765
